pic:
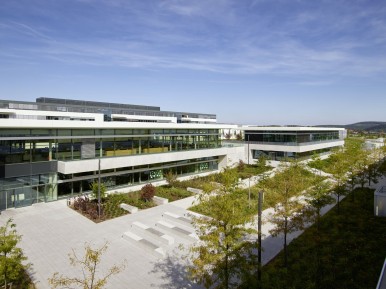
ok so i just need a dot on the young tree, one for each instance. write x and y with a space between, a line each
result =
228 179
339 172
11 256
89 265
317 197
171 178
223 255
262 161
287 216
375 159
94 190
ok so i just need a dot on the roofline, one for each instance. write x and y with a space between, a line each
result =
63 124
291 128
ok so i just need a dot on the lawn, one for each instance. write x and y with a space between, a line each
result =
246 171
172 193
249 198
348 251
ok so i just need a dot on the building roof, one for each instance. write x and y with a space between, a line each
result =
290 128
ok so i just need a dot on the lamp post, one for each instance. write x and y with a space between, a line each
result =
249 191
99 188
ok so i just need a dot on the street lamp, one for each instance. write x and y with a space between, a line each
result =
99 187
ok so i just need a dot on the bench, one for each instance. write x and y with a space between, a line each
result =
129 208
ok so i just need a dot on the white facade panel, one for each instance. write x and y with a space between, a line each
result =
79 166
53 124
129 117
295 148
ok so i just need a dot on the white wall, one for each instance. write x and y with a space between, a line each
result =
72 167
295 148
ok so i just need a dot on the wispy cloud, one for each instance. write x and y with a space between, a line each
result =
216 36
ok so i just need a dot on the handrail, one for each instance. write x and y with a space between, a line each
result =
382 278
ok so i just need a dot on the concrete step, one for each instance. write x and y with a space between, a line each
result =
181 220
177 230
144 244
152 234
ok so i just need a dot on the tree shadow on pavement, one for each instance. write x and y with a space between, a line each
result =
173 273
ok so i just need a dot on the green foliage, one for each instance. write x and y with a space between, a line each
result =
262 161
89 265
173 194
349 253
11 256
111 207
94 190
148 192
284 189
132 198
223 256
171 179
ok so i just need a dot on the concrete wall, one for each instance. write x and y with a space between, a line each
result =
295 148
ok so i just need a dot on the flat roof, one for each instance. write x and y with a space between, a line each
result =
75 124
291 128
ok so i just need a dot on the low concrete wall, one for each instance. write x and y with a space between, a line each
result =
160 201
195 191
129 208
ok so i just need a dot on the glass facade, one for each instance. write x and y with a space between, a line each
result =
129 176
20 146
27 190
291 137
279 155
30 147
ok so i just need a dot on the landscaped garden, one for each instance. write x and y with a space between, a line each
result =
111 204
346 251
249 197
343 249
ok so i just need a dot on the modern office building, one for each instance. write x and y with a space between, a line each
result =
278 143
55 148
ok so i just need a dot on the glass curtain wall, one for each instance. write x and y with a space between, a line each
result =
128 176
290 137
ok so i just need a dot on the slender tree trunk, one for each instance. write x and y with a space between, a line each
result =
226 269
338 203
318 271
285 242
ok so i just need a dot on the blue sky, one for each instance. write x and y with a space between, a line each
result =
253 62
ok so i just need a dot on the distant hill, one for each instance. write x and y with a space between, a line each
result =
368 126
377 126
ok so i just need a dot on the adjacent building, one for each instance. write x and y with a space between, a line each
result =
278 143
55 148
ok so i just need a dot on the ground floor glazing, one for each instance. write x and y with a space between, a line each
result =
280 155
27 190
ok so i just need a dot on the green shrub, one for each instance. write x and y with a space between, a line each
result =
173 194
94 190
